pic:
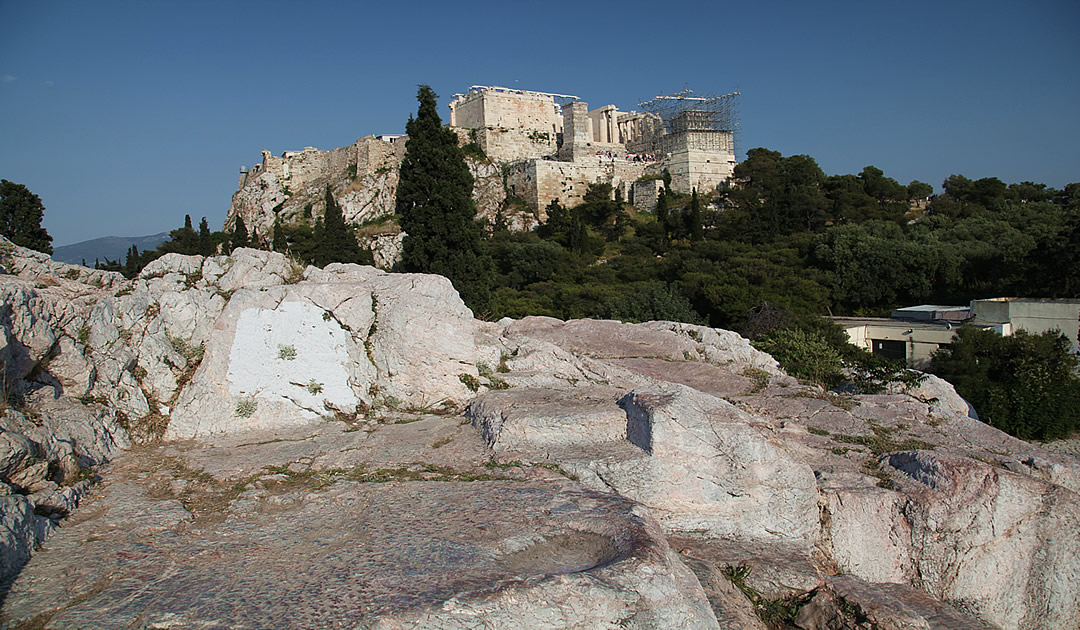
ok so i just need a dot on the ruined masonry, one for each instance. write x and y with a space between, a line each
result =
539 147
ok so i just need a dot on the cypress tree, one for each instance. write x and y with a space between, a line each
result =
695 222
206 240
131 265
436 208
338 243
663 212
240 235
21 212
279 243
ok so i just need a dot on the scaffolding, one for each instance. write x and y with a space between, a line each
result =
703 121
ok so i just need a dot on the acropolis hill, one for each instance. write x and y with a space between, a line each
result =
534 148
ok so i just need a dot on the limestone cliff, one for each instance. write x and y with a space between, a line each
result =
358 444
363 179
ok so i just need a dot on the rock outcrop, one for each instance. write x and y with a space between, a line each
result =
363 179
357 443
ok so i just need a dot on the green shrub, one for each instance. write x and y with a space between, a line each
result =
1025 385
806 356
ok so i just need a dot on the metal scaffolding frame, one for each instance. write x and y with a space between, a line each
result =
685 112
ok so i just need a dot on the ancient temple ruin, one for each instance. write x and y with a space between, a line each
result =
539 147
555 147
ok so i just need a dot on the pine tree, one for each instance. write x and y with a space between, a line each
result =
436 208
21 212
240 235
338 243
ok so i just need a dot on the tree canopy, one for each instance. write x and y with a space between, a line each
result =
1024 384
21 212
436 209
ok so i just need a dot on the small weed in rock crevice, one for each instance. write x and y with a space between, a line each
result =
503 367
759 378
470 381
245 407
882 441
777 613
286 353
872 467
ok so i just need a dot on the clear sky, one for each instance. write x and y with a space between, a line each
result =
125 116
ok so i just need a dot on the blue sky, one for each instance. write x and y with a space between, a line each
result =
125 116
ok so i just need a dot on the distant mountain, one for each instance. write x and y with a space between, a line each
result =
111 247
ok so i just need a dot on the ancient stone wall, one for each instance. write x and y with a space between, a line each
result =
539 182
703 170
509 124
644 193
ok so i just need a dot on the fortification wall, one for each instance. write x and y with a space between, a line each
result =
507 145
539 182
703 170
509 124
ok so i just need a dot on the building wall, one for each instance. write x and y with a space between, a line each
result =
920 341
1033 316
701 160
539 182
510 124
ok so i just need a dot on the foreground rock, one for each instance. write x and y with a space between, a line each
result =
583 473
419 545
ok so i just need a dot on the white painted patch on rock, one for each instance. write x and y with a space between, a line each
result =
291 353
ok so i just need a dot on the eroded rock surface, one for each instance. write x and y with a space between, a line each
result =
419 545
357 442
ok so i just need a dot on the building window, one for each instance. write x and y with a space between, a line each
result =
889 349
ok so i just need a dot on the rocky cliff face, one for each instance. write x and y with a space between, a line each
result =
357 443
363 179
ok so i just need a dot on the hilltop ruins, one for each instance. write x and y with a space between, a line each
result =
532 147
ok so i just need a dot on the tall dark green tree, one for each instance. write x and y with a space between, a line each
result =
206 239
338 242
695 227
436 208
21 212
239 235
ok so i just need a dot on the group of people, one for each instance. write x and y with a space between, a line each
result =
630 157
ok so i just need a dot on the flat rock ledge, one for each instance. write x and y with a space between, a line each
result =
161 546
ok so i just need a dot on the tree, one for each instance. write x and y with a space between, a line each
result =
1025 385
695 227
558 225
436 208
919 190
21 212
131 263
338 242
239 235
182 240
206 239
